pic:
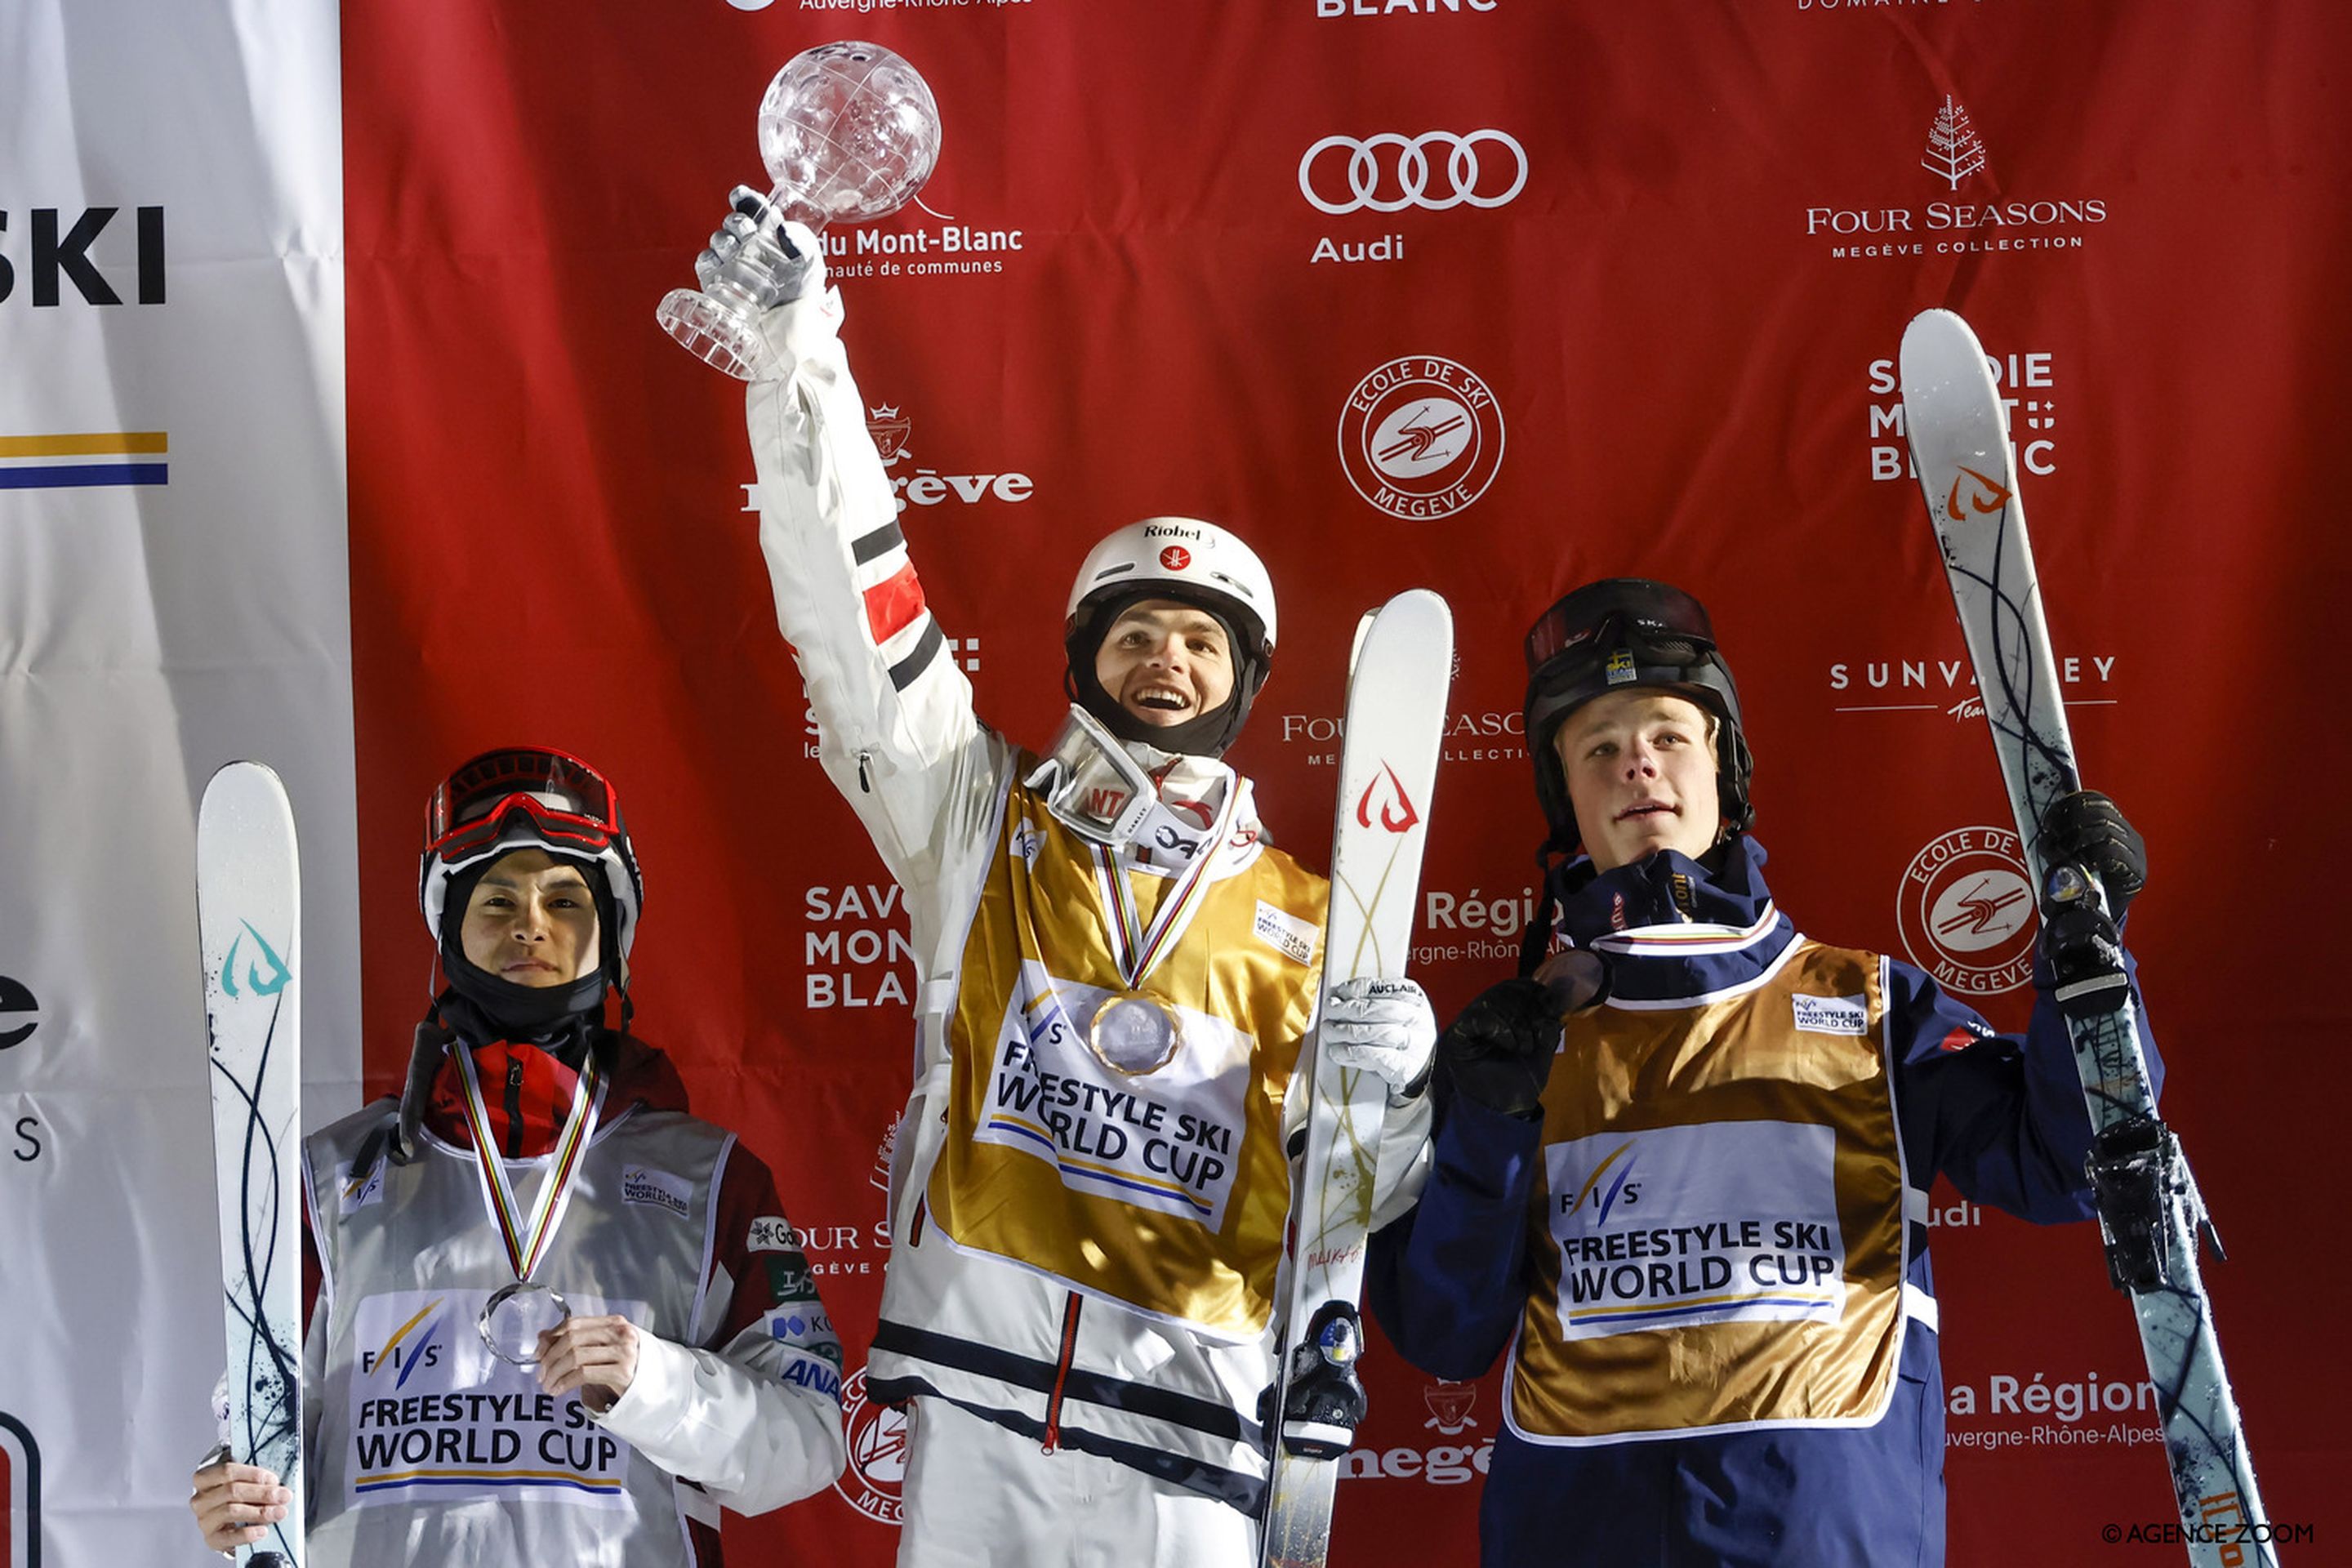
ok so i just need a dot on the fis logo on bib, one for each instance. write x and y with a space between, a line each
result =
1612 1182
354 1194
415 1343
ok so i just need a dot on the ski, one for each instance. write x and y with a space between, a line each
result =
1396 714
249 917
2149 1208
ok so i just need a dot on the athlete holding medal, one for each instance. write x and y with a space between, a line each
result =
557 1319
1089 1197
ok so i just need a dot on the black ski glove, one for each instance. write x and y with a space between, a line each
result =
1499 1051
2086 960
2086 829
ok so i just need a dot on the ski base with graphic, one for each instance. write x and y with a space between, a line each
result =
1396 717
248 916
2149 1208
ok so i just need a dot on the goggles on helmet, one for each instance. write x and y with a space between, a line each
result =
1619 633
569 803
1658 611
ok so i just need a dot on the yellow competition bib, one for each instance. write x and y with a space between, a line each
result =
1718 1234
1165 1188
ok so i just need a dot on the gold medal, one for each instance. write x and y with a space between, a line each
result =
1135 1034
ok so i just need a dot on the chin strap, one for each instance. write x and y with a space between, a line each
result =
1087 764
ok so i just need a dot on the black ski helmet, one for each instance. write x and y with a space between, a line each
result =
1628 631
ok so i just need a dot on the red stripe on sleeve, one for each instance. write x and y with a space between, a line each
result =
892 604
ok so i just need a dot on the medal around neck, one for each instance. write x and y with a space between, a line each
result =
1135 1034
515 1316
517 1313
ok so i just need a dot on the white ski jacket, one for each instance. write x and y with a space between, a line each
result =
1012 1335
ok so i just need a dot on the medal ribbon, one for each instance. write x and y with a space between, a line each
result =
1135 949
527 1240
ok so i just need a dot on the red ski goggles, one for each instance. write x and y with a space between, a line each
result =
569 802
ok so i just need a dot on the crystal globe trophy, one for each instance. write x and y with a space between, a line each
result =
849 132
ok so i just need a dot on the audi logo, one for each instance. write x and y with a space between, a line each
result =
1372 160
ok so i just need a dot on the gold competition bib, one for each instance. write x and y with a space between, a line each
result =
1115 1127
1718 1231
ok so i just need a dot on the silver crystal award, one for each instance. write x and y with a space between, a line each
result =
848 133
515 1316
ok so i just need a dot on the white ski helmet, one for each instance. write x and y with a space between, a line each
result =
1191 562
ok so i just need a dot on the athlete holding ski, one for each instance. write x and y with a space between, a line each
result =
1090 1196
587 1382
1699 1199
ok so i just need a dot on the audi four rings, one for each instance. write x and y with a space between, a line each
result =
1368 166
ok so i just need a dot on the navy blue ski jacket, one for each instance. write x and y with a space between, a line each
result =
2000 1116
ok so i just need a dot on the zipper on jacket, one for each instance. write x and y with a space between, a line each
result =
864 785
1062 1372
514 1109
915 1231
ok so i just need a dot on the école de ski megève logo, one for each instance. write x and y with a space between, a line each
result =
1966 912
1421 437
873 1481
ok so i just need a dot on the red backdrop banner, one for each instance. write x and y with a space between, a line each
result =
1199 259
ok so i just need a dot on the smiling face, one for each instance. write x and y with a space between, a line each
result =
1641 768
1165 662
531 920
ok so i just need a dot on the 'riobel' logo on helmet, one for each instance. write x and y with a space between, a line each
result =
1170 530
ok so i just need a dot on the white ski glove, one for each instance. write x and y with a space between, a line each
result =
771 260
1383 1027
775 266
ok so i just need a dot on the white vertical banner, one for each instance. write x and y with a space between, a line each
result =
174 594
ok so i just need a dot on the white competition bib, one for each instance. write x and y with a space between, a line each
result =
435 1416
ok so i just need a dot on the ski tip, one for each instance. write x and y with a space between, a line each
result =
1427 599
1937 333
244 794
245 780
246 769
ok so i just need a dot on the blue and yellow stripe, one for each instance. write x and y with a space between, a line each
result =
36 462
